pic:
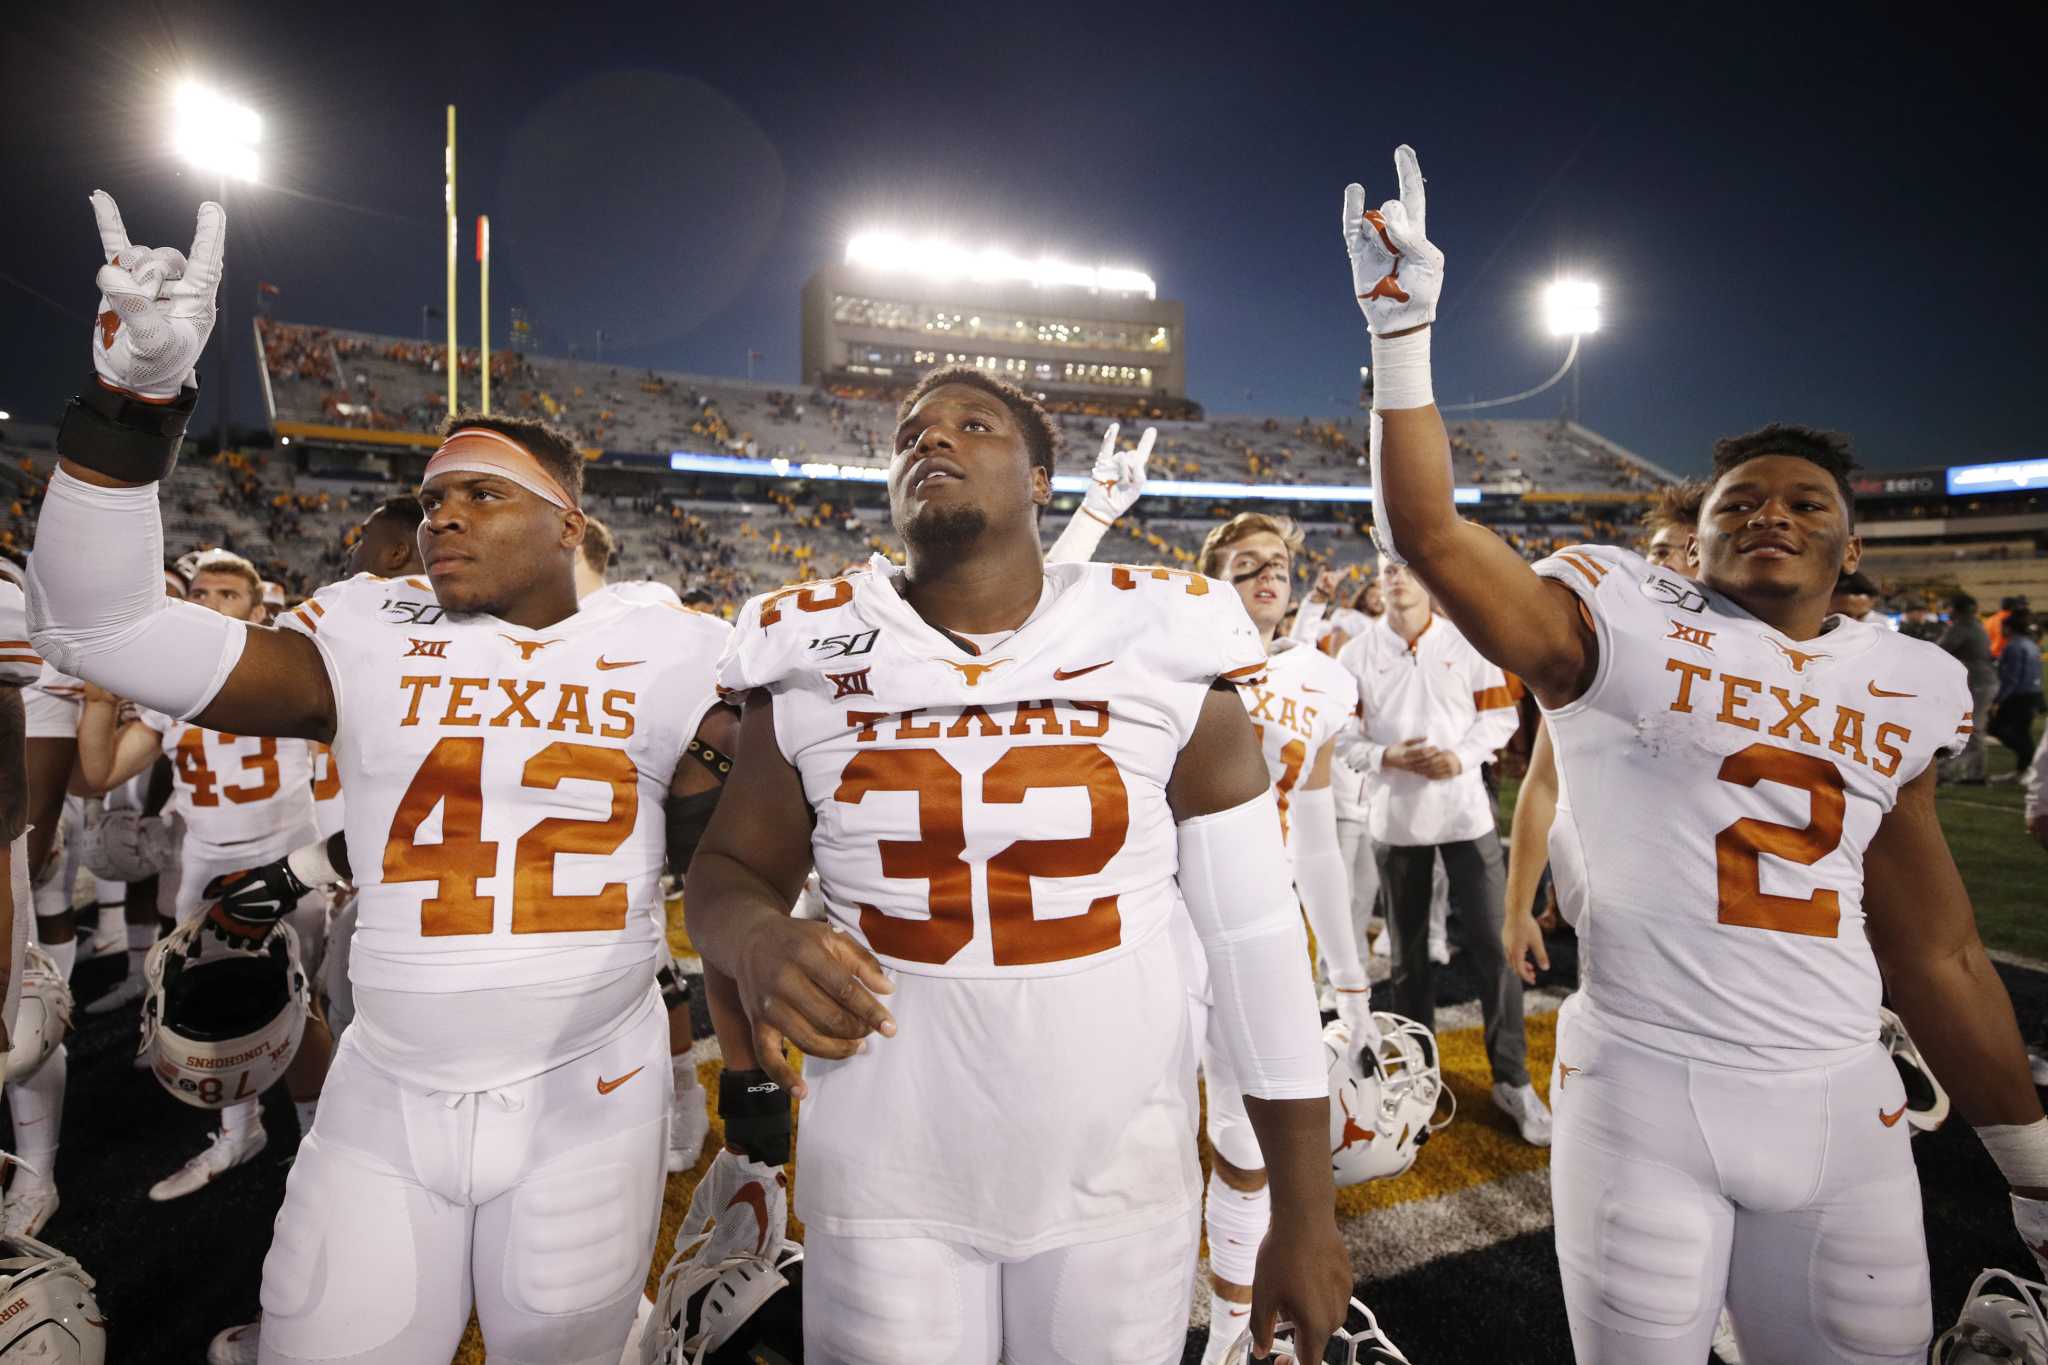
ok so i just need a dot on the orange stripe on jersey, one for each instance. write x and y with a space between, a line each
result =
318 610
300 615
1250 673
1589 569
1492 699
15 644
19 659
419 583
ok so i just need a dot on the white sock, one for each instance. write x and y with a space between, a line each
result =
305 1110
684 1068
1227 1320
38 1107
141 937
65 955
240 1119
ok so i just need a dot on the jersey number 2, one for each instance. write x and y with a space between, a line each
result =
1743 901
452 778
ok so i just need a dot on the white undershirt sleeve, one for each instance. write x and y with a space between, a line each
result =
97 608
1234 879
1320 877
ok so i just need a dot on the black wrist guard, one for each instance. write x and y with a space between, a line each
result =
122 436
756 1114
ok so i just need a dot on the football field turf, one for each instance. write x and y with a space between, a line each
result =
1455 1256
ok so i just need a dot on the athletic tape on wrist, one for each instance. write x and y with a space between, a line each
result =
2021 1151
1400 372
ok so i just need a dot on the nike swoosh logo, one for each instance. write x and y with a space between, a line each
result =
1877 691
606 665
1062 674
605 1087
1889 1119
754 1197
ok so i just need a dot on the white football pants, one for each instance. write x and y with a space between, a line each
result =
1793 1192
538 1202
885 1300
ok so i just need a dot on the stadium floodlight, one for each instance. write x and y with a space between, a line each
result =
1571 308
214 133
938 259
6 416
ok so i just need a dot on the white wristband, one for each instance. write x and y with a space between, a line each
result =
1400 371
2021 1151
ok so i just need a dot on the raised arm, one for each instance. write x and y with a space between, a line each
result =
1115 482
96 580
798 980
1529 627
1234 880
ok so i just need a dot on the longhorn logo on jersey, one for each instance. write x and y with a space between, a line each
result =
973 673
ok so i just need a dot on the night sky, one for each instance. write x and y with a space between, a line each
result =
1796 213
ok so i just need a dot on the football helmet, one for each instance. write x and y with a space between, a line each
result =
223 1009
43 1017
1996 1326
124 845
1382 1104
50 1317
741 1309
1926 1101
1358 1342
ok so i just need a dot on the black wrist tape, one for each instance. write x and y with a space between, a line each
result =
756 1114
123 437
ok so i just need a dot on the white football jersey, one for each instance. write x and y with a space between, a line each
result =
328 812
20 665
636 592
994 826
1718 784
1305 698
244 797
505 787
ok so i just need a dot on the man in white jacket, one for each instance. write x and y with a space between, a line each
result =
1432 711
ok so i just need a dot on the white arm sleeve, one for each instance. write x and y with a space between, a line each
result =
1308 620
97 608
1077 543
1233 877
1320 877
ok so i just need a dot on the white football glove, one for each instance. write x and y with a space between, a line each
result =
744 1202
1354 1010
156 303
1118 477
1395 270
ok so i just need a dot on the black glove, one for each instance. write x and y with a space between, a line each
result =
258 895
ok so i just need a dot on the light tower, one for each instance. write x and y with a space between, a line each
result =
213 133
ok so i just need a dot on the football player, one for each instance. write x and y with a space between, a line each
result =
1305 698
496 1115
1000 769
245 799
1753 855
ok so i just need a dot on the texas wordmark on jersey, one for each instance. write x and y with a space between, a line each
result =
1304 699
